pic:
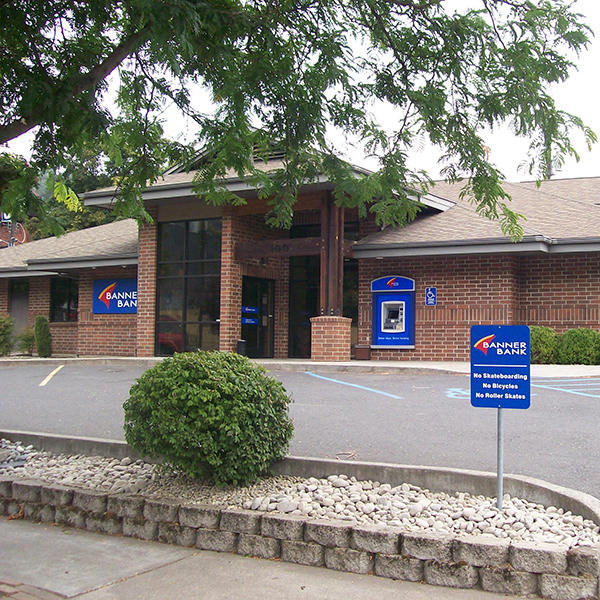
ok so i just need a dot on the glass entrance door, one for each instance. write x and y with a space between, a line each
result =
258 303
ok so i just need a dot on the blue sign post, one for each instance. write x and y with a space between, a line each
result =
500 375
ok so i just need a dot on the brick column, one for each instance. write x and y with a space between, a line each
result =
330 338
146 306
39 299
230 329
3 297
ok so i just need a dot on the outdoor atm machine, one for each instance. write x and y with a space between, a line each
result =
393 312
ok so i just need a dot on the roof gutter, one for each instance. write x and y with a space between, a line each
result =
20 272
534 243
81 262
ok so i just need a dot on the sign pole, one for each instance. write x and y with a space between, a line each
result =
500 377
500 461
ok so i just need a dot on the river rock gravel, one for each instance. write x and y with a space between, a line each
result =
405 506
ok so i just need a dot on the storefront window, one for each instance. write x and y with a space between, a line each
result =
188 286
64 294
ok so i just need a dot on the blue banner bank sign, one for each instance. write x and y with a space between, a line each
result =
500 371
115 296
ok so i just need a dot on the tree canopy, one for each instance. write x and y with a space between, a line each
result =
99 74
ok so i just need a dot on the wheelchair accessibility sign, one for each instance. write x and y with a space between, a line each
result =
430 296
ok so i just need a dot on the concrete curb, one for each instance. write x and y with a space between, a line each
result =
300 365
439 479
290 366
102 360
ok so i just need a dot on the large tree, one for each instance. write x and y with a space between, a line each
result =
285 72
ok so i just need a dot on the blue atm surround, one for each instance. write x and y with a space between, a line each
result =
393 312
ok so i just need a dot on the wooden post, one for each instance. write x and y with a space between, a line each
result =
339 310
332 263
323 287
331 293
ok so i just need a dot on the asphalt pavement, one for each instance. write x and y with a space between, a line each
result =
395 416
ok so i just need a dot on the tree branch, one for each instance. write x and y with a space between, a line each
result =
86 83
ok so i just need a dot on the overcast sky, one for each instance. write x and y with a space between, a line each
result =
579 95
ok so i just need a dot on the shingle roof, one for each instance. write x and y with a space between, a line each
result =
112 241
584 189
557 211
183 179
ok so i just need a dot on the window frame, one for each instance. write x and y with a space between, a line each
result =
183 278
70 312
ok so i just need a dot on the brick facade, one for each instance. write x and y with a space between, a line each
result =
236 228
39 299
146 306
64 338
330 338
103 335
558 291
4 283
561 291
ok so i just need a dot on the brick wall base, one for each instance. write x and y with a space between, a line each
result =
64 338
330 338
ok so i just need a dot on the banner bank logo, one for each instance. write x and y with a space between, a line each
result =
118 296
501 348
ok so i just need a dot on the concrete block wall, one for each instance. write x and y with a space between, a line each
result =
491 564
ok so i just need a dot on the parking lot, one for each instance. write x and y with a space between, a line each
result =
423 418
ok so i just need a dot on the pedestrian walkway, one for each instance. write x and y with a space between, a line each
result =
294 364
545 371
52 562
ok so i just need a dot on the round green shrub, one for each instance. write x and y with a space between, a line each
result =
43 338
544 341
212 415
6 327
578 347
26 341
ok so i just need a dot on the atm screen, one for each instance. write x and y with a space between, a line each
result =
393 314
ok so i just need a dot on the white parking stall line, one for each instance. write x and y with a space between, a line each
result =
49 377
566 390
556 381
355 385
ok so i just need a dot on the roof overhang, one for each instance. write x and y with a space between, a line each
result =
81 262
529 244
164 192
20 272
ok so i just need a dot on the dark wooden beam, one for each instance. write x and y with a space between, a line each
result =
285 247
348 246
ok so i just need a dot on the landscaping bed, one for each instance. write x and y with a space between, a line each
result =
416 537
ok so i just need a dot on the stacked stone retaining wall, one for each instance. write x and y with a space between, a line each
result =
491 564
